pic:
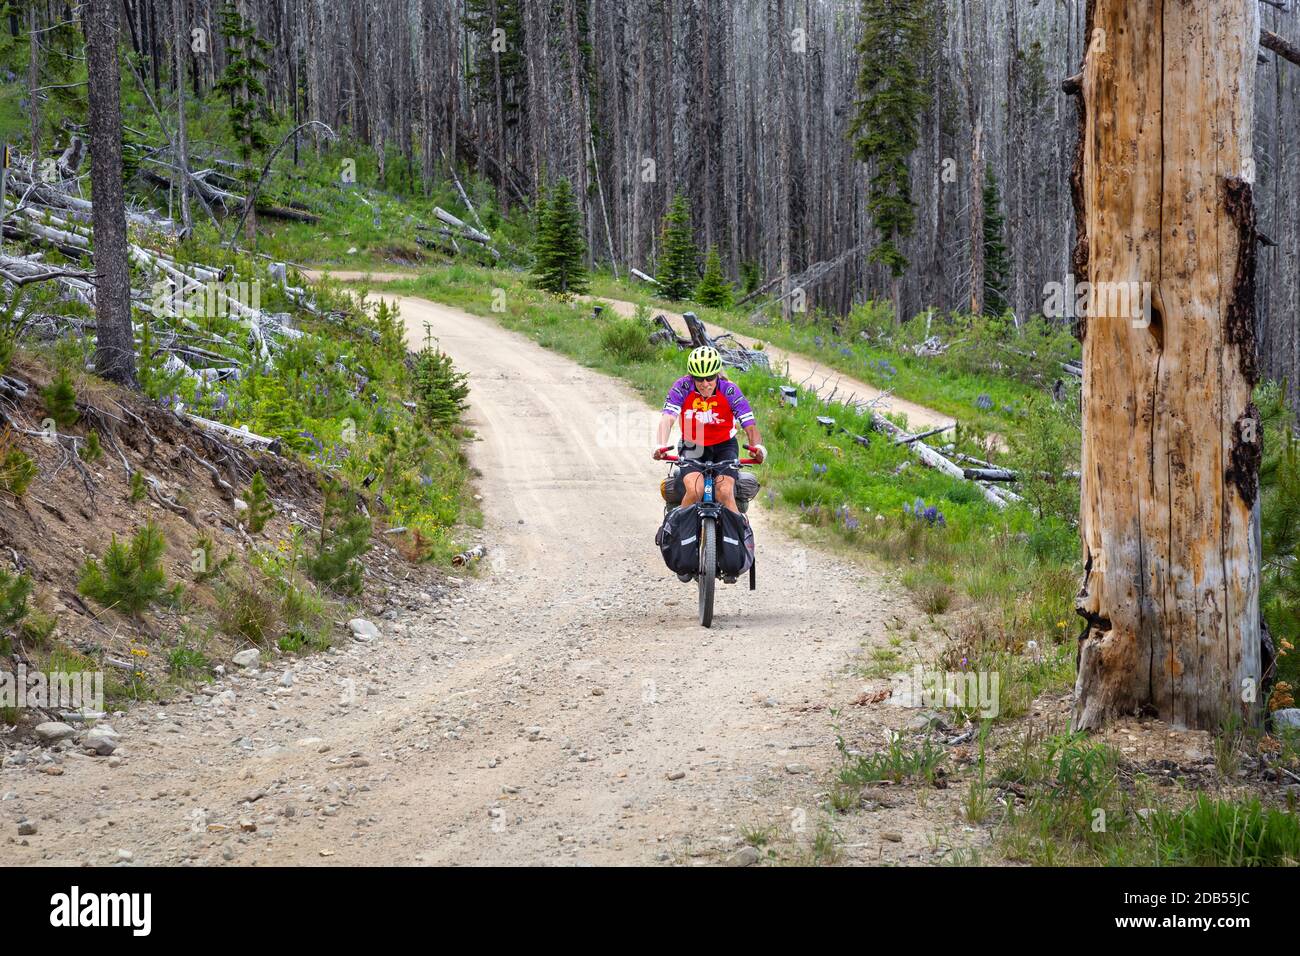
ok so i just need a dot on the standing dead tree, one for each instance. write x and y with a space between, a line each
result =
1171 443
114 344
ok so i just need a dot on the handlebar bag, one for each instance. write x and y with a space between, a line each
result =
679 540
672 489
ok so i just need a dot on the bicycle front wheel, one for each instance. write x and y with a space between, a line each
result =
708 568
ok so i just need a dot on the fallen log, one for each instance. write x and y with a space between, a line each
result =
286 212
25 225
1274 43
667 334
931 432
814 273
451 168
21 272
47 195
466 231
1006 474
241 435
932 458
759 291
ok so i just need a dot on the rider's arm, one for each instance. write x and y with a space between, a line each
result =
665 429
672 408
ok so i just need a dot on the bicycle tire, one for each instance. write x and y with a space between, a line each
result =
708 569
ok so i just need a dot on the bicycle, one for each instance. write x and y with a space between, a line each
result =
709 510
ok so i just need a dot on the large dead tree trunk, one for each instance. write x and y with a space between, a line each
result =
1170 436
114 342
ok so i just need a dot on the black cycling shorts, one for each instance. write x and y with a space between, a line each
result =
723 451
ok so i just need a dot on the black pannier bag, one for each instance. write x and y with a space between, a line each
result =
735 544
679 540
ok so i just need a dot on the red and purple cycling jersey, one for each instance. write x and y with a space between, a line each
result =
712 420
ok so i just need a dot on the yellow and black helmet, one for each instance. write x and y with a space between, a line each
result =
704 362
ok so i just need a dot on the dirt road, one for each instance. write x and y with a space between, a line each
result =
562 706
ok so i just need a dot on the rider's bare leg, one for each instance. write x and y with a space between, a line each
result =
725 488
694 488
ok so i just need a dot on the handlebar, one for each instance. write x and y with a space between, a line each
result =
716 464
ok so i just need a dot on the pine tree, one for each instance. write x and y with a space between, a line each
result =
678 269
242 81
559 253
439 389
344 537
61 400
997 269
260 509
884 130
714 289
502 52
131 576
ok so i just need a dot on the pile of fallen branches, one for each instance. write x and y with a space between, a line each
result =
215 187
733 353
444 239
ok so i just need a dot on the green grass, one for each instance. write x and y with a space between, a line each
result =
1224 833
1078 811
900 761
189 663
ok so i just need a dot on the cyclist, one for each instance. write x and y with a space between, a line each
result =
710 407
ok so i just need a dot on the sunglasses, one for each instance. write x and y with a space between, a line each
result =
711 378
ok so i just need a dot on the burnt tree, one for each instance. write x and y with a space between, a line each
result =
114 342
